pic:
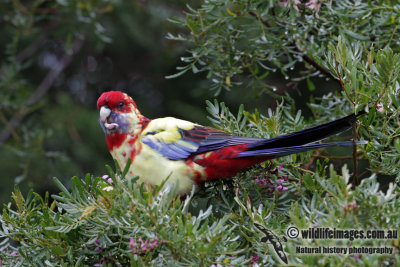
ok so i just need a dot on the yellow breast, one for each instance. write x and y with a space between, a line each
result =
150 166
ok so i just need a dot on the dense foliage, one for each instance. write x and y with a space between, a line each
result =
48 118
240 45
241 42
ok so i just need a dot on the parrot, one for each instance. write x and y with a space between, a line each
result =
188 153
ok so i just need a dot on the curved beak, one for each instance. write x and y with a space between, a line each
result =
105 113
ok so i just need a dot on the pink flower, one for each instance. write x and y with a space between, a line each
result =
313 5
351 206
287 3
133 245
144 246
155 242
265 182
107 178
98 248
380 108
255 259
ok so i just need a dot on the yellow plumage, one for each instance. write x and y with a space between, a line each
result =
149 165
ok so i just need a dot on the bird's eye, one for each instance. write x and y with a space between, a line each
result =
120 104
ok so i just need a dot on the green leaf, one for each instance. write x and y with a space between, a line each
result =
61 187
356 35
126 169
397 144
87 181
77 188
394 100
310 85
371 115
177 74
111 173
240 112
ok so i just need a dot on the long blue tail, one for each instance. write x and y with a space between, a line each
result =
284 151
300 141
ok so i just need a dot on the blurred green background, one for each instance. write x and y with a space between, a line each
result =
57 57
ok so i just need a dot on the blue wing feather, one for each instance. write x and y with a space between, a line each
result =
201 139
171 151
198 140
209 139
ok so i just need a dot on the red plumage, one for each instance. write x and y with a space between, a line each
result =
224 162
113 98
115 140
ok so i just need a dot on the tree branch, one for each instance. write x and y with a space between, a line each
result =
254 14
305 57
311 161
44 86
355 177
313 63
341 80
33 47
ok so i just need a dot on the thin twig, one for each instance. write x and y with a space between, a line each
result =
48 81
254 14
334 157
363 173
341 80
355 177
44 86
313 63
305 57
3 119
34 46
311 161
304 170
